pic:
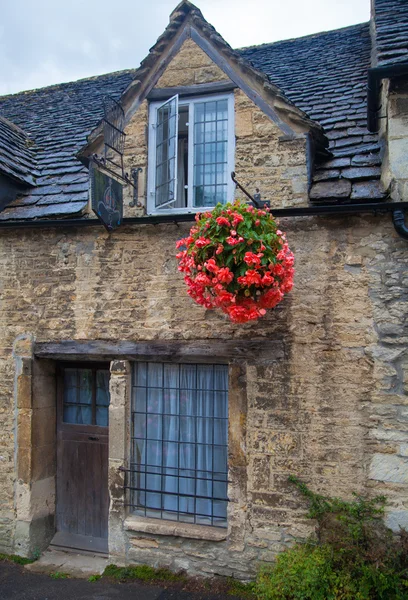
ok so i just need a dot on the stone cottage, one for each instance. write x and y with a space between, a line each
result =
137 423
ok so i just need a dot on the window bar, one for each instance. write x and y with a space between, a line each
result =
212 446
199 496
181 476
178 446
162 478
145 430
93 383
195 449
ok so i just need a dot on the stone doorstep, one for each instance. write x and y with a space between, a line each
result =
77 565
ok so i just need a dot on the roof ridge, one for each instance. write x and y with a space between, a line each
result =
15 127
66 83
303 37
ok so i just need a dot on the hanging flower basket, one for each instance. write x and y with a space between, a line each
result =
236 259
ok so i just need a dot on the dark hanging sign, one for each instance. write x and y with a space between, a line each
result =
106 198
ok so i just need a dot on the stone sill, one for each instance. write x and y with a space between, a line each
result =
185 530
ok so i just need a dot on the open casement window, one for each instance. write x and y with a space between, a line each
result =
191 153
166 154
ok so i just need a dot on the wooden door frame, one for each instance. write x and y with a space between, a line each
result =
80 432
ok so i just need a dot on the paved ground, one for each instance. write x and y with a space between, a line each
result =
18 583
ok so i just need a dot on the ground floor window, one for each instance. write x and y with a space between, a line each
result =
179 442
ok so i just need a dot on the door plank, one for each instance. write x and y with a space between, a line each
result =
82 479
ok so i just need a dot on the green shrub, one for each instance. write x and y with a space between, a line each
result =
354 557
19 560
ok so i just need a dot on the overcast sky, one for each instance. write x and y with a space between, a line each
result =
43 42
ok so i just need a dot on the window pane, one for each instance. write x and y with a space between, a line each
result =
70 386
155 400
85 386
78 415
140 373
166 154
77 396
102 388
184 450
210 153
102 416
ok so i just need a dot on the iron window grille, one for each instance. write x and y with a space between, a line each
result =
179 430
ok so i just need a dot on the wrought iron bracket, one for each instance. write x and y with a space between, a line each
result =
256 198
100 162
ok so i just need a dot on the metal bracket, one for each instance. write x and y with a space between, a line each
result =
135 176
256 198
101 162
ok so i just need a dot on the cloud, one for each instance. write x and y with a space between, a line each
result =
43 42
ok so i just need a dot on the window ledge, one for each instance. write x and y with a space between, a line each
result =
185 530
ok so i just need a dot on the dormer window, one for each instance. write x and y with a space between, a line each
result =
191 153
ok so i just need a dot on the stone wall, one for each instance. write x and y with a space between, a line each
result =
327 405
394 135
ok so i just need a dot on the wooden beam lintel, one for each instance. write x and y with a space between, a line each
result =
213 350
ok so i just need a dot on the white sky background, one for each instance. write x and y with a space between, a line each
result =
43 42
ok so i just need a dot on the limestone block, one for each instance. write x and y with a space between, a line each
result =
143 542
397 153
386 467
209 74
396 519
243 124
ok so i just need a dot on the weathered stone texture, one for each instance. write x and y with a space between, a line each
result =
394 131
331 407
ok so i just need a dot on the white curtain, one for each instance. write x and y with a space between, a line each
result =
180 423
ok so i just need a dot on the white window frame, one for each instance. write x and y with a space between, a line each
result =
151 171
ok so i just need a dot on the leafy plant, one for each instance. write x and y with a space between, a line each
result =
59 575
238 260
93 578
19 560
354 556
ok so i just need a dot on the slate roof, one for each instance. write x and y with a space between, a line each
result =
59 118
326 76
17 159
390 32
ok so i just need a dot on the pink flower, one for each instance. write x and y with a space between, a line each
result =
237 219
222 222
278 270
232 241
201 242
250 278
267 279
225 275
203 279
211 265
252 259
270 299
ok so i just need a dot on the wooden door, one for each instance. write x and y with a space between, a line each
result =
82 457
